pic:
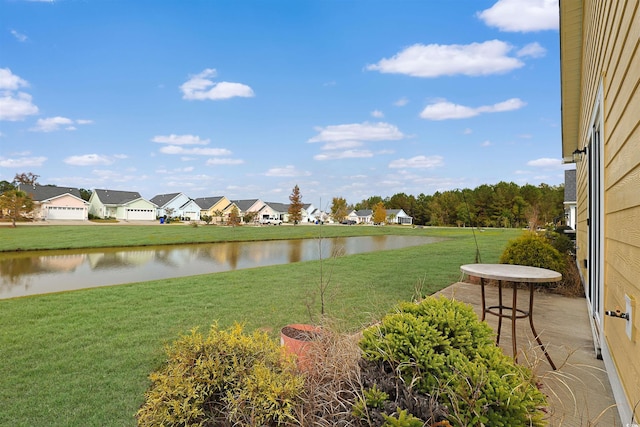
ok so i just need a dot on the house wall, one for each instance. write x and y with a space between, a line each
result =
174 204
191 210
96 207
611 64
217 208
64 201
144 210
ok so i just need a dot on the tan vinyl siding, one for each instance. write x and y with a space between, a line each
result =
611 61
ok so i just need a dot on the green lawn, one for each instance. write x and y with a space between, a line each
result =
40 237
82 358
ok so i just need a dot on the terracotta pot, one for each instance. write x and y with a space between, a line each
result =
297 339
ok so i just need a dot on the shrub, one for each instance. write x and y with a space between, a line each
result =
226 378
438 361
533 250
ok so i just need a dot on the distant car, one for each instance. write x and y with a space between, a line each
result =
269 221
348 222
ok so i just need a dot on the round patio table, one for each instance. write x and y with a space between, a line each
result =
515 274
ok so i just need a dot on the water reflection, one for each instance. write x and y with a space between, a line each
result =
44 272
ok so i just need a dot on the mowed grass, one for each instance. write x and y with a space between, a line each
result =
83 358
42 237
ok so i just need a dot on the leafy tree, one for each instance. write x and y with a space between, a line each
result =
6 186
234 217
85 194
27 178
421 215
16 203
169 212
402 201
206 218
379 213
249 217
339 209
295 207
218 214
368 203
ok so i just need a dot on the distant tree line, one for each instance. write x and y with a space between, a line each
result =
504 204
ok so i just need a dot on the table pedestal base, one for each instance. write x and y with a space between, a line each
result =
514 313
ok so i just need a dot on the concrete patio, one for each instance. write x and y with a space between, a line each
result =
579 392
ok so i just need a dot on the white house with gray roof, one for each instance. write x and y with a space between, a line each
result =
394 216
249 206
121 205
178 205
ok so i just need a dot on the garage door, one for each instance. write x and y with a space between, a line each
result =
141 214
61 212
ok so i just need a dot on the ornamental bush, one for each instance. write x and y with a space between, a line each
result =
226 378
533 250
446 367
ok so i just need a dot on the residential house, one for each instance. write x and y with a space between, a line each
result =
600 72
249 206
310 213
218 207
178 205
398 216
570 204
121 205
275 210
362 216
394 216
56 203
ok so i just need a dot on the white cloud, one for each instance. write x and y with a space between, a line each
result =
180 139
447 110
213 162
358 132
475 59
18 107
14 106
546 162
176 170
508 105
486 144
20 37
175 149
444 110
342 145
201 87
522 15
51 124
9 81
422 162
88 160
347 154
287 171
533 50
377 114
401 102
22 162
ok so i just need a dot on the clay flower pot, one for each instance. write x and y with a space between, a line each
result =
297 339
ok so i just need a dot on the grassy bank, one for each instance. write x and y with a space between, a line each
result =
42 237
82 358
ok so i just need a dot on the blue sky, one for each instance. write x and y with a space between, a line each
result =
248 98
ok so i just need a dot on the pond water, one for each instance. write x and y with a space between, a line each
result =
30 273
